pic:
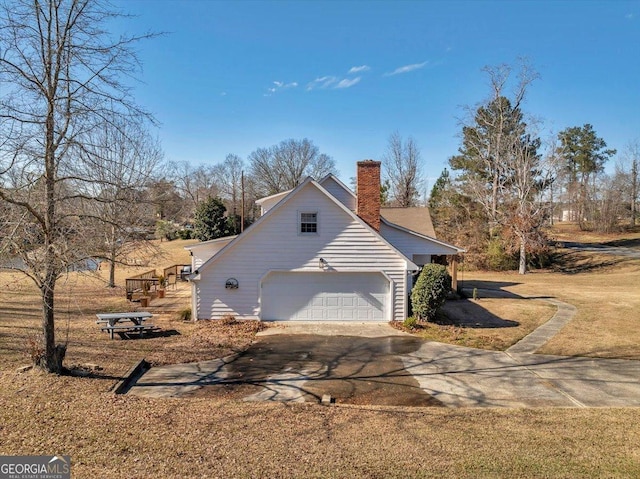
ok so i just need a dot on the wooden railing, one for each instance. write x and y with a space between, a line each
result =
149 281
141 283
174 273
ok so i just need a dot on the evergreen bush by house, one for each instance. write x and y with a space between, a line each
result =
430 291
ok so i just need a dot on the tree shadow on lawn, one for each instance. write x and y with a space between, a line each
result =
624 243
575 262
469 313
160 333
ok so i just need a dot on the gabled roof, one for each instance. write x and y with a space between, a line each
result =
340 183
213 241
416 219
291 194
282 194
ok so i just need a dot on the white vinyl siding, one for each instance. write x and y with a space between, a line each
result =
410 244
201 252
273 245
337 190
270 201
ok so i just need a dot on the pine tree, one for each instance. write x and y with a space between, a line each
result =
210 220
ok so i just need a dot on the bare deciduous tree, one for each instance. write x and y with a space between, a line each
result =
61 77
121 162
229 174
525 211
285 165
194 185
403 169
628 169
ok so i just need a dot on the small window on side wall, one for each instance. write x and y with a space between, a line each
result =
308 223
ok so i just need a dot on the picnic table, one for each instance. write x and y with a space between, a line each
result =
126 323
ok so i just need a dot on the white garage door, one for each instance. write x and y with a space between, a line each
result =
325 296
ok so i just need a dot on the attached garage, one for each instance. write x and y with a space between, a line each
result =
325 296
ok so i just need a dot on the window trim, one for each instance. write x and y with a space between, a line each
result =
308 233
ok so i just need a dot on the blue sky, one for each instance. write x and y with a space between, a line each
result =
229 77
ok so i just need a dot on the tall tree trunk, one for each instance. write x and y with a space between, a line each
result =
634 191
522 269
582 203
112 258
112 268
551 203
53 354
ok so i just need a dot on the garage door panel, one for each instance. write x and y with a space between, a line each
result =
348 301
325 296
333 301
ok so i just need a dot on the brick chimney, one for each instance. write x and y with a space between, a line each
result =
368 191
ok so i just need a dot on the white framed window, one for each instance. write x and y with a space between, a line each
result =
308 222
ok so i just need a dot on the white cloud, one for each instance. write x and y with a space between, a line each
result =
322 82
330 82
406 69
629 16
347 82
361 68
278 85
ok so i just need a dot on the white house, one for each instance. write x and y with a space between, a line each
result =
318 252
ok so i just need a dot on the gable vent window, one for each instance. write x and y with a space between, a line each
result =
308 223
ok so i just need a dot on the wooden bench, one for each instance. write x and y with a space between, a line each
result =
126 323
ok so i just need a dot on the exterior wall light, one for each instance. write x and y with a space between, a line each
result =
322 263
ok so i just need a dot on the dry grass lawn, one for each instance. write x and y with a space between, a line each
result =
565 231
129 437
488 323
606 291
121 436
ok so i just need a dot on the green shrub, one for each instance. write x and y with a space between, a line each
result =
497 257
430 291
410 323
185 234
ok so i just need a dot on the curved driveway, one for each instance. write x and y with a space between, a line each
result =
603 249
366 363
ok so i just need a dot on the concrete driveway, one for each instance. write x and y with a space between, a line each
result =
458 376
629 252
378 365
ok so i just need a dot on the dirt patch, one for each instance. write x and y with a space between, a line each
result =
207 340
